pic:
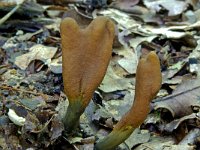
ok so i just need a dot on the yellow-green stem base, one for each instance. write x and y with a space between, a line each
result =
71 118
115 138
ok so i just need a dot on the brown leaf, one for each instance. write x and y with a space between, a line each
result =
56 128
175 124
181 101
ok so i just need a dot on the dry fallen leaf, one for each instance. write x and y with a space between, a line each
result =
112 82
182 100
175 123
174 7
37 52
129 60
191 137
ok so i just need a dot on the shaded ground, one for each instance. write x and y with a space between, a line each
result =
31 91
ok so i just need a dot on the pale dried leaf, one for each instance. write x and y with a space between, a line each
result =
37 52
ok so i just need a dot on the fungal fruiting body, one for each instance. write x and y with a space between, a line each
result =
86 54
148 83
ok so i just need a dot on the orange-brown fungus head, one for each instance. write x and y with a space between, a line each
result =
148 77
86 54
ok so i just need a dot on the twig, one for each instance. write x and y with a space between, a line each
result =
7 16
20 90
45 125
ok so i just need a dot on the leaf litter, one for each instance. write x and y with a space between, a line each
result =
31 80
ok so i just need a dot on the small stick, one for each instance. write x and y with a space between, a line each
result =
7 16
20 90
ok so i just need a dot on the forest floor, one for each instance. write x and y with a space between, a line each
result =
31 87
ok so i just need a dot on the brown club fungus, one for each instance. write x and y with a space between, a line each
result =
86 54
148 83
